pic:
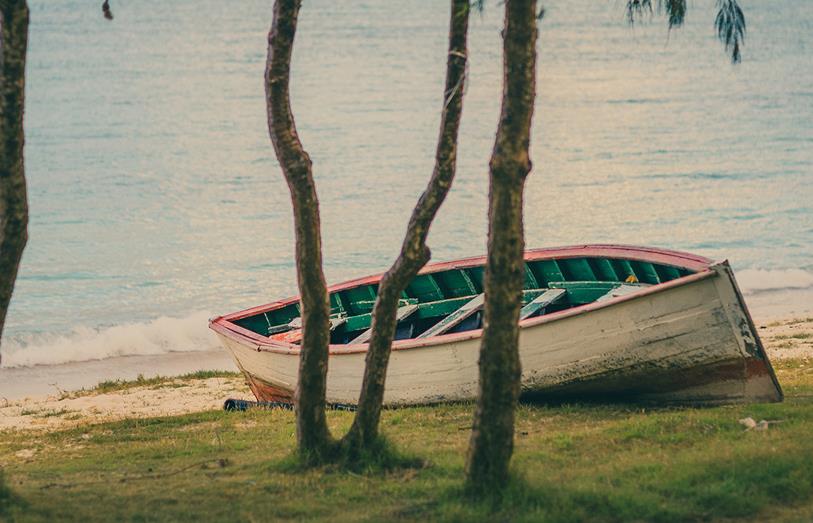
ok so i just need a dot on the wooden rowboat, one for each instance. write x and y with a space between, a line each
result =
602 322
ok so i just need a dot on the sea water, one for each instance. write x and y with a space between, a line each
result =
156 200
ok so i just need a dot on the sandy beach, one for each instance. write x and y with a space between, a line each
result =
788 339
168 397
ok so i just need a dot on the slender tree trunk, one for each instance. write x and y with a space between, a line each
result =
492 438
414 252
313 436
13 199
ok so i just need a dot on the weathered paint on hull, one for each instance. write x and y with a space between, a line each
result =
689 343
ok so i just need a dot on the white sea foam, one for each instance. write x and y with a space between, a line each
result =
159 336
753 281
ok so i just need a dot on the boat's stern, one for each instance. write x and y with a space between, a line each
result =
760 381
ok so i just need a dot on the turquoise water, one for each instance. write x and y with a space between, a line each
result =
156 200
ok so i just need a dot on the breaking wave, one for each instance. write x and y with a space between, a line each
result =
753 281
159 336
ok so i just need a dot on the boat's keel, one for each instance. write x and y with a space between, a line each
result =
730 381
265 392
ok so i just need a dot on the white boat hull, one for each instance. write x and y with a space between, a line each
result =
690 342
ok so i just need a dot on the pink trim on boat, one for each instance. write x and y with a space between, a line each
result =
225 326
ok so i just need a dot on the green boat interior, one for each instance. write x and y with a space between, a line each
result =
451 300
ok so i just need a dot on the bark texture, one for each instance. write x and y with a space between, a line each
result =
13 198
313 436
492 438
414 251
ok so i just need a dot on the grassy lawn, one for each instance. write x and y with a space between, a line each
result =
572 463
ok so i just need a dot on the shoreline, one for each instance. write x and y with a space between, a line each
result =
44 380
789 339
768 307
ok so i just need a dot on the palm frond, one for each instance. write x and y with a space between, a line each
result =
730 25
636 10
675 11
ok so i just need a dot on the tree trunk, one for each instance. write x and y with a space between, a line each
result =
313 436
13 199
414 252
492 438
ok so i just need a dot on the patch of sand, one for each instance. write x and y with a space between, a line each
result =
168 398
788 339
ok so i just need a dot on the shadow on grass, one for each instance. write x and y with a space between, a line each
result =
727 488
8 499
380 458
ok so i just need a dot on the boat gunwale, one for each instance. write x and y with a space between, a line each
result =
225 324
264 344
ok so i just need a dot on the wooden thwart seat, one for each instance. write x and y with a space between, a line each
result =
541 301
402 314
621 290
455 318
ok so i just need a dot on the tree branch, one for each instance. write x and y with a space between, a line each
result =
108 14
492 434
414 252
313 435
13 194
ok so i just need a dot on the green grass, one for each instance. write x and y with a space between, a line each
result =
572 463
796 336
157 381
